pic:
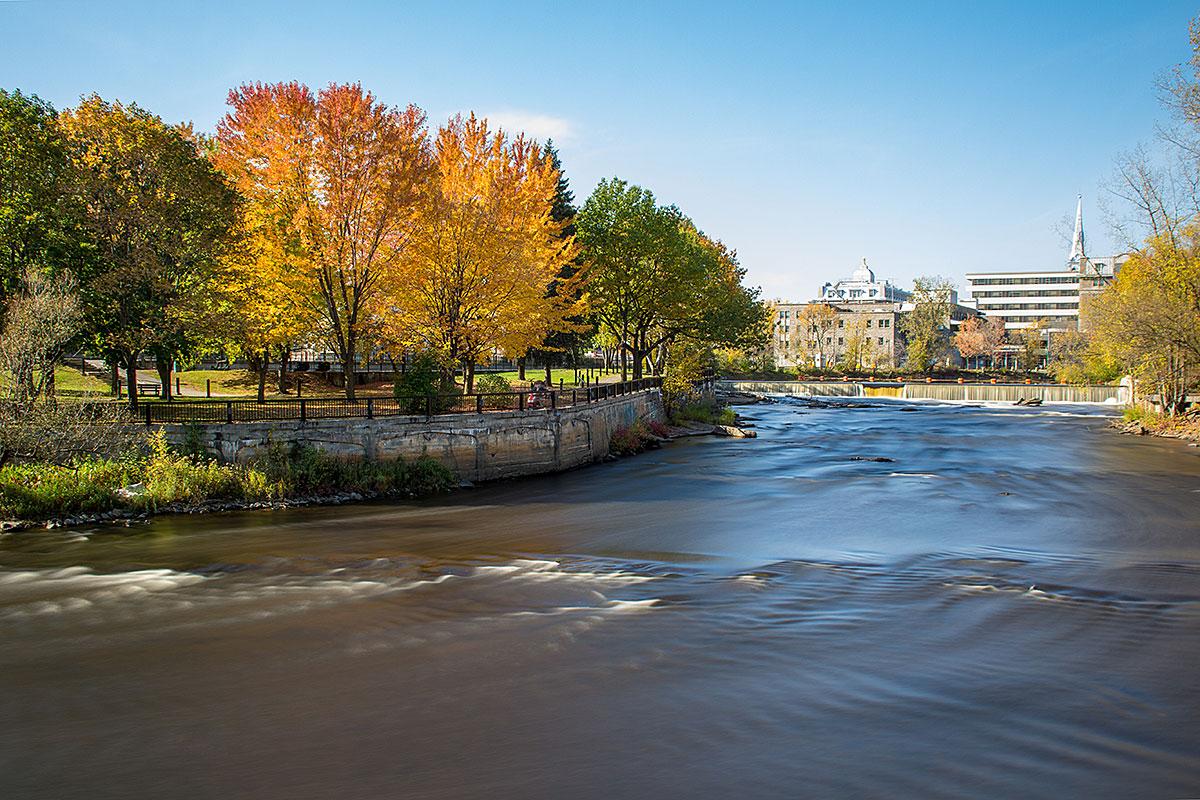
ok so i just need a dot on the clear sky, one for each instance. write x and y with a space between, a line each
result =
928 137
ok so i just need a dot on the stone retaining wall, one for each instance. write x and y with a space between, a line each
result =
484 446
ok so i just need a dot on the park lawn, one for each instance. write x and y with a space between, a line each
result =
70 381
565 374
225 382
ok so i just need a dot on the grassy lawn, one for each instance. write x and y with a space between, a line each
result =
565 374
226 382
70 381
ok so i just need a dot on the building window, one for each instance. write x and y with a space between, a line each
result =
841 341
841 323
881 340
868 323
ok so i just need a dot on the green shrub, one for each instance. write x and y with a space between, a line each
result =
40 491
708 413
489 384
425 377
305 470
174 478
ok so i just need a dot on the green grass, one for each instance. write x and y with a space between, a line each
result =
230 382
44 491
70 381
565 374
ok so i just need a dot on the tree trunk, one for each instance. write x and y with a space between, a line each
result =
131 380
285 354
469 376
163 365
521 368
115 378
348 375
262 374
549 376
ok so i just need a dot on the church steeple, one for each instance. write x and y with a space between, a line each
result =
1078 254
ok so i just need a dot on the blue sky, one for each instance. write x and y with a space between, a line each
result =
939 137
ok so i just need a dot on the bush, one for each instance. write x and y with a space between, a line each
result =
305 470
631 439
657 428
424 377
709 413
40 491
494 384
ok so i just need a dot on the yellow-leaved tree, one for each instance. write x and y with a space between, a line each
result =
484 252
336 179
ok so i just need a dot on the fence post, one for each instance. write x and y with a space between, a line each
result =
521 401
370 409
176 384
208 387
574 396
553 401
303 412
147 415
478 404
229 411
429 405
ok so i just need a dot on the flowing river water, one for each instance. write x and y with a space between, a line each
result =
1010 607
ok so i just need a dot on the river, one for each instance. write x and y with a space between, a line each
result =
1010 607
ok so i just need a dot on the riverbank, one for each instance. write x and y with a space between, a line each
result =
1148 423
141 484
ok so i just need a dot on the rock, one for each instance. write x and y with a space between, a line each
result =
736 433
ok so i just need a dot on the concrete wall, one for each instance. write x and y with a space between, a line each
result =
475 446
962 392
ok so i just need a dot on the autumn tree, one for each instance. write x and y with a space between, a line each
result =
860 348
1032 340
157 218
563 211
1148 320
333 181
815 323
485 252
926 327
971 340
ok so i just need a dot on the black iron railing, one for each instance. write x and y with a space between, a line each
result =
204 412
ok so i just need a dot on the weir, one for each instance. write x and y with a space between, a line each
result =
950 392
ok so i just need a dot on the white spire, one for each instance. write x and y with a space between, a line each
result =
1077 251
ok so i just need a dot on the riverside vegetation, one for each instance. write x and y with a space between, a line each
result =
152 478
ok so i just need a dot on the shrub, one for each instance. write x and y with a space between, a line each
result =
174 478
709 413
494 384
630 439
305 470
659 429
424 377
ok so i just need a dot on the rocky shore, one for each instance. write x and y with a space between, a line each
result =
1185 427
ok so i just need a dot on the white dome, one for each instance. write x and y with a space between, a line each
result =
863 274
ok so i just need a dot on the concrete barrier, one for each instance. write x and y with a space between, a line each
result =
474 446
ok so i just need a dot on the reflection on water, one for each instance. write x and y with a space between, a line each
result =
1011 606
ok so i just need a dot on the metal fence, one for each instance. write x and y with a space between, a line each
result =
206 412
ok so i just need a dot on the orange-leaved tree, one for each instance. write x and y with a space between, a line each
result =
335 179
485 251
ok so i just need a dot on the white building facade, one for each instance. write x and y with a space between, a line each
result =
1049 297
